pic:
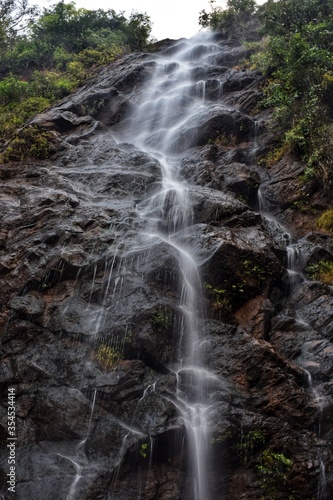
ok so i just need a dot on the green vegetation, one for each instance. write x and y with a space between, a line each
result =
250 278
250 443
296 56
143 451
221 438
218 298
29 142
47 55
325 221
322 271
161 320
238 15
273 469
298 63
255 270
108 357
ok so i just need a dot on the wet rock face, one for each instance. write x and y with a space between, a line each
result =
90 315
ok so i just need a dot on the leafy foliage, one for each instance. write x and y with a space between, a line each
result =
143 451
108 357
296 56
250 443
15 15
230 21
298 62
29 143
322 271
46 55
161 319
325 221
273 469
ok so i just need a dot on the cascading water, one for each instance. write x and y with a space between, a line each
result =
171 102
295 278
285 241
80 461
126 386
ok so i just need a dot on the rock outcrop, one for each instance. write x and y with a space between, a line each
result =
88 320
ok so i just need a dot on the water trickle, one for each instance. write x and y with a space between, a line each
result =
149 389
284 239
253 156
261 202
80 460
293 265
109 277
91 412
78 475
92 284
201 89
321 491
295 278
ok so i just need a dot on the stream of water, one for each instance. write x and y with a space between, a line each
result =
171 103
295 278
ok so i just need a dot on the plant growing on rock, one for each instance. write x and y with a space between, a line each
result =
143 451
273 469
48 55
30 142
93 108
273 156
325 221
322 271
161 320
255 270
248 279
250 443
221 438
297 63
218 298
108 357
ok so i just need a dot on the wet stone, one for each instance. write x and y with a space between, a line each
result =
29 305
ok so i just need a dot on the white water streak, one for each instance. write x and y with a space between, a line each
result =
171 105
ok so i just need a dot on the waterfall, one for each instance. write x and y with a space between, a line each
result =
160 342
170 103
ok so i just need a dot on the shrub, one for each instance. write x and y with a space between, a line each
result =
12 90
236 21
32 106
322 271
62 57
325 221
107 357
250 443
75 69
273 469
161 320
29 142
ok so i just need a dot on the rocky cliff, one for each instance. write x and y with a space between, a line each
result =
90 311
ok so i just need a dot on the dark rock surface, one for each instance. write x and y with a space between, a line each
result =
88 320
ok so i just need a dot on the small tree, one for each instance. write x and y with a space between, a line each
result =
15 15
239 6
231 21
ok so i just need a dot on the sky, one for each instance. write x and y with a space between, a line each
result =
171 18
